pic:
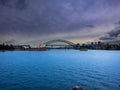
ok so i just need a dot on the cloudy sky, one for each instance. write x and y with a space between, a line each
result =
35 21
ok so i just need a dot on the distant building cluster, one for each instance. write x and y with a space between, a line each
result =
99 46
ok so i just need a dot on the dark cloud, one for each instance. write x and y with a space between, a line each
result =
17 4
3 2
113 2
112 36
21 4
117 23
114 33
106 38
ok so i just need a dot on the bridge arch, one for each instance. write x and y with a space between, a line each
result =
49 43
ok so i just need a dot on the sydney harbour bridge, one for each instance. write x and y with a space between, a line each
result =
59 44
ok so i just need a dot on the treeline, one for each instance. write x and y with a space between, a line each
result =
6 47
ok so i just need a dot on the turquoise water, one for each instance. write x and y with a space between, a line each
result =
60 70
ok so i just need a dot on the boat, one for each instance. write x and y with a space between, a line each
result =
83 49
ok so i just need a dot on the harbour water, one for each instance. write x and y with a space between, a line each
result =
60 70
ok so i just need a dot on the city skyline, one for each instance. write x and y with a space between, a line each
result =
31 22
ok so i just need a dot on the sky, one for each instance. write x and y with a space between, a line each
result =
79 21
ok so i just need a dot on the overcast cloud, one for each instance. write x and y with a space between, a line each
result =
24 20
